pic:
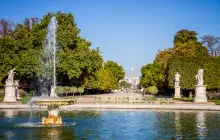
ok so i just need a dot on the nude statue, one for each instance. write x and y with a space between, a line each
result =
11 75
199 77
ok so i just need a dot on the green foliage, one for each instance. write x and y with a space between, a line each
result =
2 94
75 57
116 70
184 36
187 99
217 102
80 89
59 90
163 56
25 99
124 84
73 89
188 67
22 48
103 80
152 90
66 89
152 75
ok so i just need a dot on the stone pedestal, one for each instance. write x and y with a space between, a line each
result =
10 93
200 93
177 92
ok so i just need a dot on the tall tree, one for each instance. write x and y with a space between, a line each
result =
75 58
186 44
163 56
184 36
212 43
103 80
6 27
117 70
152 75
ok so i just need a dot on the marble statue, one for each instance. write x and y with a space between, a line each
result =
200 89
199 77
11 75
177 79
10 88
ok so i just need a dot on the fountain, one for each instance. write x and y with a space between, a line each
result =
53 110
49 77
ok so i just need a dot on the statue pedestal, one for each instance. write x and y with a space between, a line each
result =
10 92
200 93
177 92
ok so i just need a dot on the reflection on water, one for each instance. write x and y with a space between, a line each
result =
9 135
201 126
115 124
10 113
177 124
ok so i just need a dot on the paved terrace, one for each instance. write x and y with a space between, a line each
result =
87 102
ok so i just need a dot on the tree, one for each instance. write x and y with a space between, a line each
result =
187 67
152 90
59 90
82 61
116 70
124 84
151 75
163 56
212 43
190 49
21 50
184 36
80 90
73 90
103 80
6 28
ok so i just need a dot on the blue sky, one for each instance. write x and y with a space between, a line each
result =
129 32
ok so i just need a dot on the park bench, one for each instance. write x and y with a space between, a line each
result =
108 100
125 100
117 100
166 101
97 99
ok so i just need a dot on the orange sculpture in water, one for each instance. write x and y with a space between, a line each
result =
52 120
53 116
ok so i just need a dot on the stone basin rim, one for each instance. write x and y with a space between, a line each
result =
55 102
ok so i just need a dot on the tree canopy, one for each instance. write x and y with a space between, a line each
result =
152 75
169 61
21 47
116 70
187 67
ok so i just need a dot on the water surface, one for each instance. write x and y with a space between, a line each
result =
113 124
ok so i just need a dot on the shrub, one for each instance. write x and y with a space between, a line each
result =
187 99
152 90
80 90
66 90
25 99
216 96
59 90
217 102
73 89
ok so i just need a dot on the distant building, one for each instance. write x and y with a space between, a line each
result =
134 81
